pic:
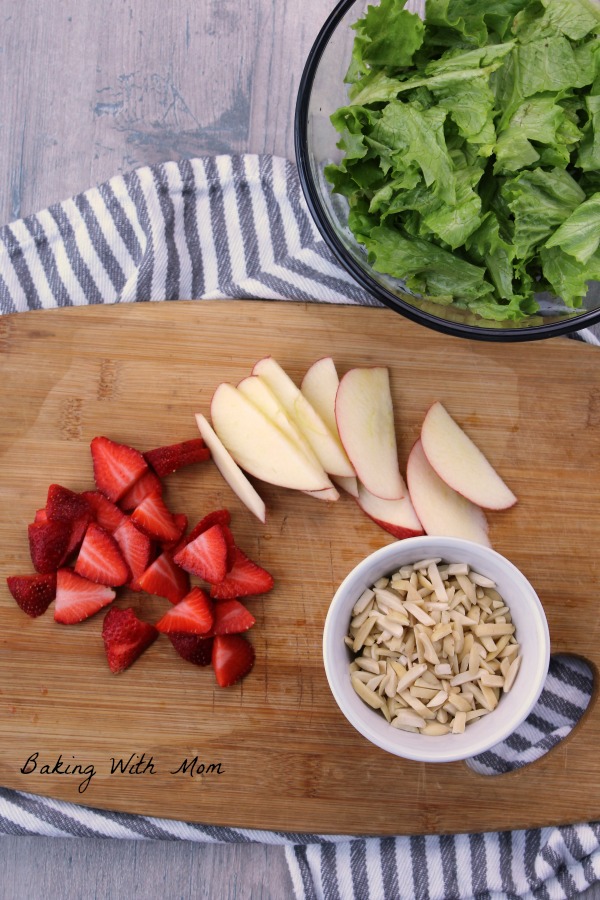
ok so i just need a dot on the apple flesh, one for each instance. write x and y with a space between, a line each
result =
319 386
365 420
325 445
460 463
396 516
258 446
349 485
230 470
442 511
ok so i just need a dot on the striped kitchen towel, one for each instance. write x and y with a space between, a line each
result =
237 227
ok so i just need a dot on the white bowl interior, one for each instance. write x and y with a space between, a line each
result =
531 631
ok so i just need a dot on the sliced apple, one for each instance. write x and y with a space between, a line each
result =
365 420
328 494
460 463
326 445
230 470
396 516
442 511
259 392
319 386
350 485
258 446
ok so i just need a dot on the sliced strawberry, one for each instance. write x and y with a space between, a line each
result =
217 517
232 658
100 558
148 483
136 548
194 648
182 523
65 505
116 467
78 529
206 556
125 637
154 517
41 515
48 544
192 615
164 578
165 460
231 547
106 513
33 593
231 617
244 579
78 598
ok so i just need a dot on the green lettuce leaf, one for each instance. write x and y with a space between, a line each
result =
579 235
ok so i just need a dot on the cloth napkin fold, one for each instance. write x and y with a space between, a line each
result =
237 227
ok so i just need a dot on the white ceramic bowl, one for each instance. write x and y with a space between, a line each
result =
531 631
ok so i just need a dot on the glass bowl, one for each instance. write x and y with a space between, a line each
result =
322 90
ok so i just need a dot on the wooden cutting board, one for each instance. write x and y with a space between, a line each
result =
274 752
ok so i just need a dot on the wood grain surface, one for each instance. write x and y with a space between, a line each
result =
289 760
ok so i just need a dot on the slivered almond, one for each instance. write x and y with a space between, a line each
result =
434 647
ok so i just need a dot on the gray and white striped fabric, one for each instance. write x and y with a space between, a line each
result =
237 227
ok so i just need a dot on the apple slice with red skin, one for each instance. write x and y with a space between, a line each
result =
460 463
325 444
442 511
258 446
365 418
396 516
230 470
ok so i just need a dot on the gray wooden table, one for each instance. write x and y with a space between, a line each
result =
89 90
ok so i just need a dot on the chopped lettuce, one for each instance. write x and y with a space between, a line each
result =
471 149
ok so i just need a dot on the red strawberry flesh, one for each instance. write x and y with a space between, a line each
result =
192 615
148 483
78 598
206 556
100 558
153 516
232 658
245 579
232 617
104 511
116 467
164 578
125 638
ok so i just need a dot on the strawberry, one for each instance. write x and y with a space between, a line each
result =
154 517
165 460
116 467
206 556
148 483
182 523
33 593
165 579
244 579
231 547
217 517
41 515
125 637
136 548
106 513
194 648
232 658
48 544
78 598
65 505
78 529
100 558
192 615
232 617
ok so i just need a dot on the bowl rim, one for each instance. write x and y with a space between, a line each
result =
378 291
431 752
